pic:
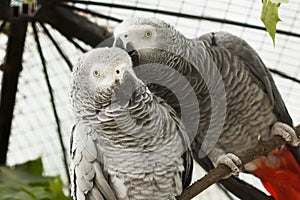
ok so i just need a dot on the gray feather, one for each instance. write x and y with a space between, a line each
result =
133 146
253 103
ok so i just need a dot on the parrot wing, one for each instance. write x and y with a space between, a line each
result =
235 46
238 47
88 180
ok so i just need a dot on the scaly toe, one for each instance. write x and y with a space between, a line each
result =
286 132
231 161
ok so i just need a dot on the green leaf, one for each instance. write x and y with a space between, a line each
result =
279 1
17 195
29 173
55 187
25 182
269 15
37 192
34 167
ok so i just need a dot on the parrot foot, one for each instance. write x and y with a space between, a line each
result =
286 132
232 161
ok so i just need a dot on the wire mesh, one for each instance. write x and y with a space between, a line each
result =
34 130
283 56
3 41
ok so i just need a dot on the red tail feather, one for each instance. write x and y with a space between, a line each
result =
280 174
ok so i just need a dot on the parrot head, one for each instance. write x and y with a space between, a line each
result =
101 72
137 33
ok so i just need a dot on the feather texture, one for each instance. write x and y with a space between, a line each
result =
252 101
131 147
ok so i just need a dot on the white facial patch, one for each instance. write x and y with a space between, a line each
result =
138 37
122 28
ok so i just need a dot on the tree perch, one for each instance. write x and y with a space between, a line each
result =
218 173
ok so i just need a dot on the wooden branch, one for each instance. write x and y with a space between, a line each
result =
218 173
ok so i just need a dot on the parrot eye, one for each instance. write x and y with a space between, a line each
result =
118 71
96 73
148 34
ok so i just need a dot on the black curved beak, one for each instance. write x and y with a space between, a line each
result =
129 47
134 55
119 43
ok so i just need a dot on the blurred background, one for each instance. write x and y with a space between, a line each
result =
58 32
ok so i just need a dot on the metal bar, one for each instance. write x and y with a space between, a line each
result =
57 120
284 75
2 26
171 13
71 24
178 14
60 51
11 69
75 44
5 10
91 12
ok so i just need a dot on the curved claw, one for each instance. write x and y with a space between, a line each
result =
286 132
232 161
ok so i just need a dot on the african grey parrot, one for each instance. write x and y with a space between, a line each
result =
127 142
238 101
